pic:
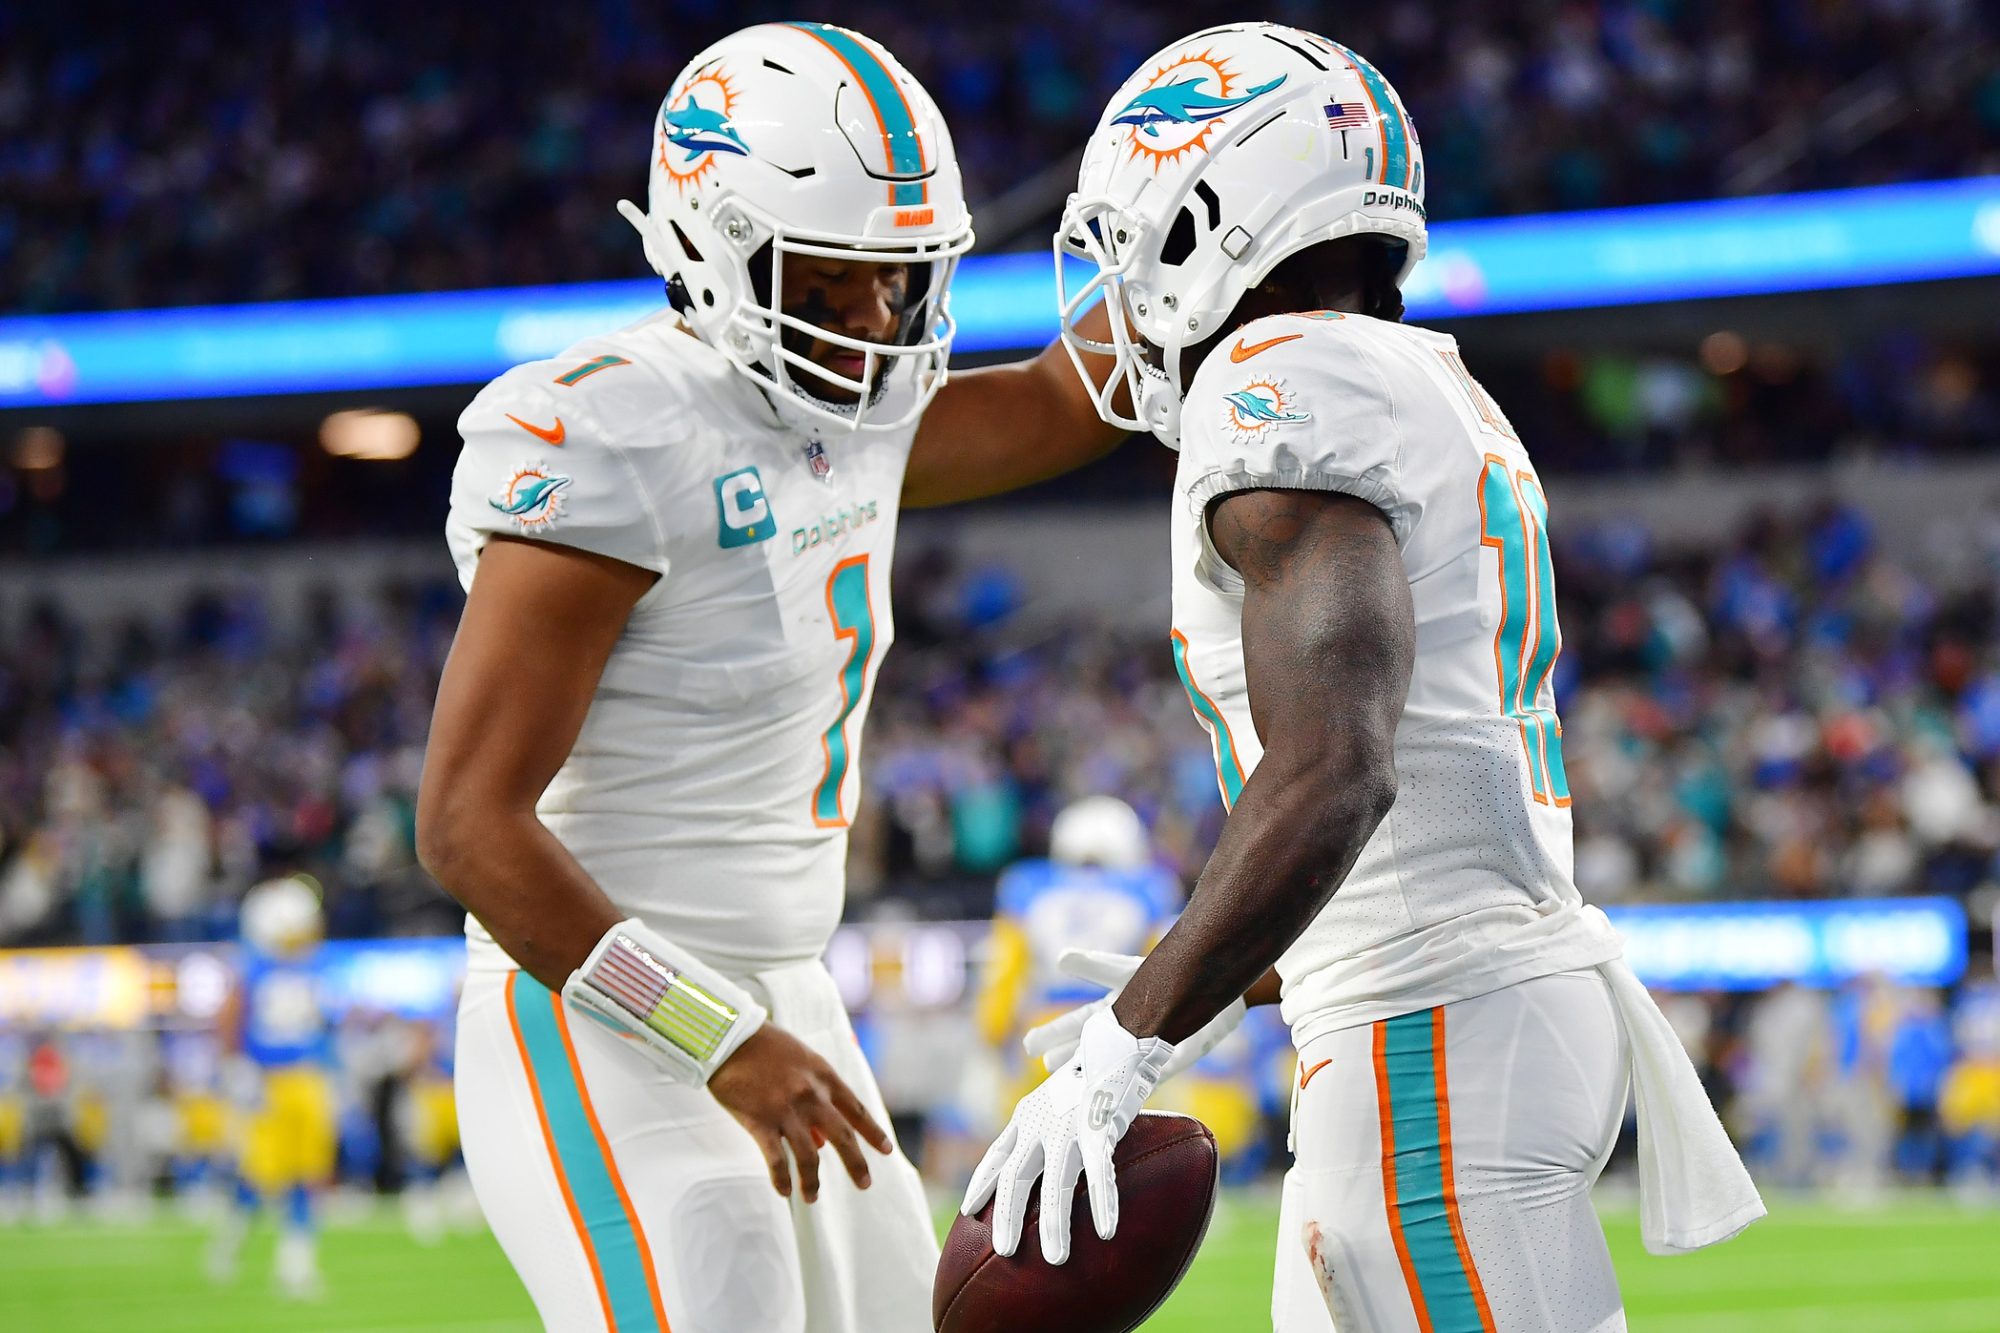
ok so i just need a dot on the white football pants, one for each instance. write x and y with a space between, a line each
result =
627 1201
1444 1165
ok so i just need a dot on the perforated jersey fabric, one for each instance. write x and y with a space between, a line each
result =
1467 885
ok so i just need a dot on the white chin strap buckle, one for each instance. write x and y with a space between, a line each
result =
1159 405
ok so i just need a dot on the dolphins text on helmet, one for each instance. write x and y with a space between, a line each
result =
1183 103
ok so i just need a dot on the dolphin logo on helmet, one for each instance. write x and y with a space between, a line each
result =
1181 207
807 143
697 129
1183 103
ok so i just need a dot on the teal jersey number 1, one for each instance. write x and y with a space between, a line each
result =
852 608
1513 520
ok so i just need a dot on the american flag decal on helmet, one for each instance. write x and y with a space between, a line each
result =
1346 116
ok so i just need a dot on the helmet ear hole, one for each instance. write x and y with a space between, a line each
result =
1180 239
760 276
687 246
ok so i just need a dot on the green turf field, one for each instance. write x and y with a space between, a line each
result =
1916 1266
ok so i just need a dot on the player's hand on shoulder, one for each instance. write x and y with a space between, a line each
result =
786 1095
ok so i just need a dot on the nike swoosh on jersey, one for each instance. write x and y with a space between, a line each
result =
1242 353
553 434
1306 1075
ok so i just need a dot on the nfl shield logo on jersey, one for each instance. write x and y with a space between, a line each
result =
822 466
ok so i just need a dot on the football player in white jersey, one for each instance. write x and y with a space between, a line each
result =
676 542
1365 621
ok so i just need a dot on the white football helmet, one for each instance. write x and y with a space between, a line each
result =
805 139
1098 831
1226 153
281 918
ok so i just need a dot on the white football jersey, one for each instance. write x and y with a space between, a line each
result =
711 786
1466 886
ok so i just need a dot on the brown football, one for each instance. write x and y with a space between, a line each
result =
1166 1192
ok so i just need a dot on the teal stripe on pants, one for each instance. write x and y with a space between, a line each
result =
1409 1064
609 1229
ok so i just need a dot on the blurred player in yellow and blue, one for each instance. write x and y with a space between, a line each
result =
14 1159
201 1145
1069 928
1969 1098
1097 891
428 1121
287 1135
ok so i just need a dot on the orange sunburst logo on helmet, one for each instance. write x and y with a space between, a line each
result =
695 127
1178 109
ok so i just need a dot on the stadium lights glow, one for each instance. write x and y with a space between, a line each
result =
1556 261
369 433
38 449
1724 353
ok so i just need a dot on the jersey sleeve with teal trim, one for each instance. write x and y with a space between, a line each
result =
1468 880
1296 402
538 464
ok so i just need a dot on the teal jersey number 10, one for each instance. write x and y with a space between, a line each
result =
1513 520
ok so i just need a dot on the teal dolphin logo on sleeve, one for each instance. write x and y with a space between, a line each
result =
1264 404
532 497
1261 405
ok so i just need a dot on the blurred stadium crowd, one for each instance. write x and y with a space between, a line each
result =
330 150
1859 1090
1793 714
115 1117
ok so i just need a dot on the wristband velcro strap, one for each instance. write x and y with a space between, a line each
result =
688 1016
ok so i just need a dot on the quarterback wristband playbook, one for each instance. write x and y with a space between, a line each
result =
686 1015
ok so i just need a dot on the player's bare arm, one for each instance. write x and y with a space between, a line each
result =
1329 640
479 836
999 428
477 832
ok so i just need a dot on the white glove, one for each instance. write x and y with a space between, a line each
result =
1054 1042
1067 1126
